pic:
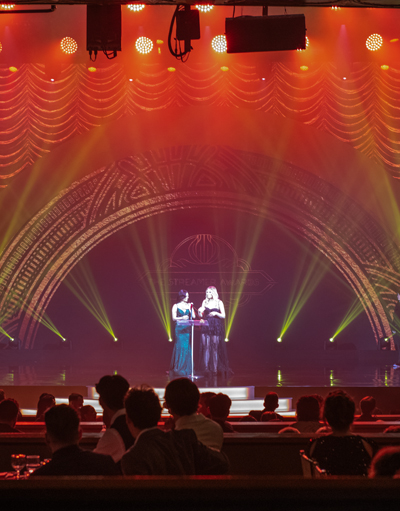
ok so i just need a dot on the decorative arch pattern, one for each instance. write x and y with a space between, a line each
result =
126 191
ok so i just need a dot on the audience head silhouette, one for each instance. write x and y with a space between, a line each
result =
182 397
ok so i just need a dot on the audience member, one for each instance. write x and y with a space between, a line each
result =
9 410
204 403
45 402
88 414
62 436
248 418
271 403
117 438
392 430
367 406
220 406
385 463
156 452
307 414
341 452
2 395
182 400
75 400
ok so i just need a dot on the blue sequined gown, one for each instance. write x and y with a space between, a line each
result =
181 362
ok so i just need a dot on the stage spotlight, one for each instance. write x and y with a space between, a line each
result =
171 69
374 42
65 344
136 7
13 69
13 344
69 45
224 69
144 45
170 340
384 343
115 339
384 67
307 45
226 339
304 68
218 44
7 7
331 344
279 339
204 7
92 69
1 47
265 33
103 29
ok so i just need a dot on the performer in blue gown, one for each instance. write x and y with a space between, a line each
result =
181 362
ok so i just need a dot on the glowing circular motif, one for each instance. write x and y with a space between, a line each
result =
171 69
304 68
136 7
92 69
385 67
374 42
69 45
219 44
13 69
144 45
204 7
224 69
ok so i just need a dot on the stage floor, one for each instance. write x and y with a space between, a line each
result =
284 369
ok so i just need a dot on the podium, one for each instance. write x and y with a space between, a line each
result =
193 323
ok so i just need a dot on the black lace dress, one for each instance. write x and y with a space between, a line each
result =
213 354
342 455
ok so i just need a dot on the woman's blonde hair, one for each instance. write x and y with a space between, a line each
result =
214 292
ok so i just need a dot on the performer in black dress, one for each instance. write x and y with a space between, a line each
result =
213 356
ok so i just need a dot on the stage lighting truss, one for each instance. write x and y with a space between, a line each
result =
187 29
204 7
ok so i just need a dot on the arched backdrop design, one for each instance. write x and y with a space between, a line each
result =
258 167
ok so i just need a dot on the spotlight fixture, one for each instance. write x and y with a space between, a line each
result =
265 33
69 45
7 7
331 344
218 44
144 45
13 69
13 344
103 29
204 7
307 45
1 47
279 339
374 42
384 67
136 7
226 339
384 343
187 29
170 340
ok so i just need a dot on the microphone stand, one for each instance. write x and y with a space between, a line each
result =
193 377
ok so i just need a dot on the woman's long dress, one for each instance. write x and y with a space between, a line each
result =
181 362
213 354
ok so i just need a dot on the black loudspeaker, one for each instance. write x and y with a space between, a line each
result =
265 33
103 27
188 24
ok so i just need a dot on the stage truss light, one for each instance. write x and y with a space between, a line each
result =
1 47
204 7
144 45
170 340
335 8
279 339
374 42
69 45
218 44
136 7
7 7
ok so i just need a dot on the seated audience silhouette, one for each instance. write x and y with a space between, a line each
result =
157 452
341 452
182 401
219 407
75 400
2 395
62 436
45 402
88 413
204 403
386 462
367 406
117 438
289 430
269 417
271 403
307 414
9 410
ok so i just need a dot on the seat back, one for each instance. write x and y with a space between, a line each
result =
310 467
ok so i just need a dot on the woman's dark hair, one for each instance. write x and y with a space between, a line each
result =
181 295
339 410
307 408
385 463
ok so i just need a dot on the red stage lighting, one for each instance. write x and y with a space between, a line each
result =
204 7
144 45
374 42
69 45
136 7
219 44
